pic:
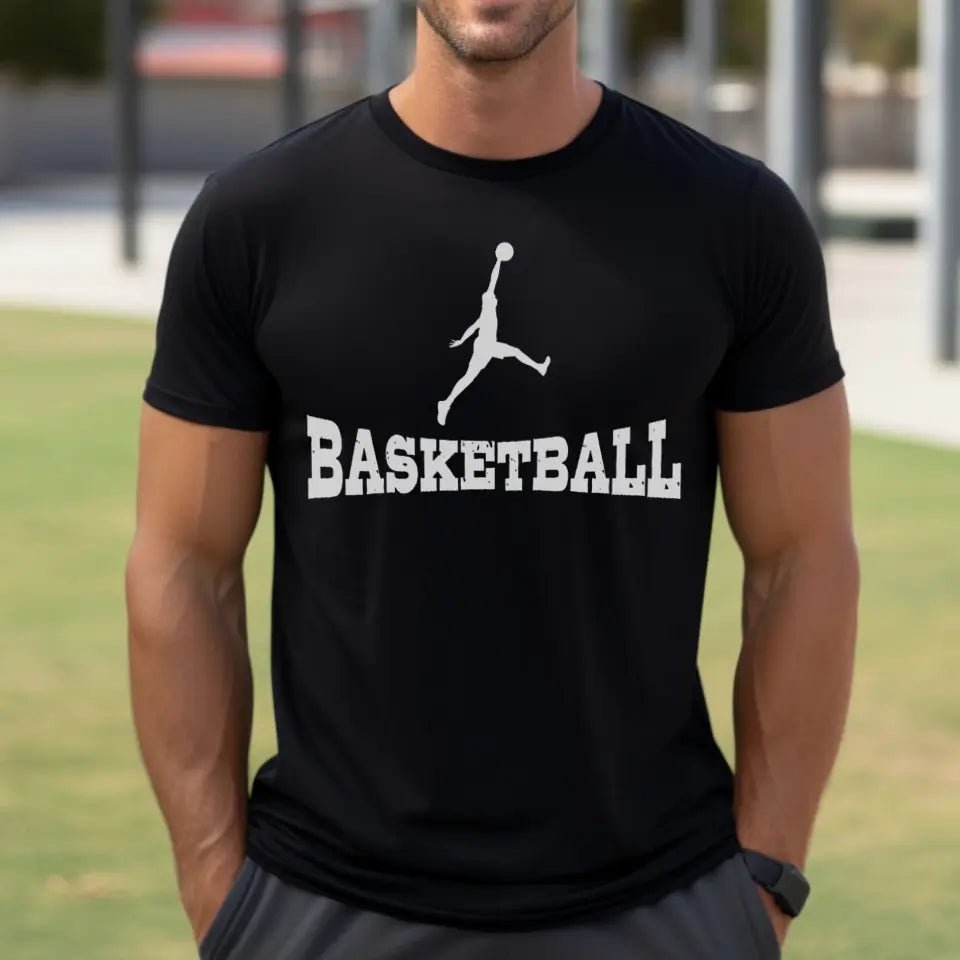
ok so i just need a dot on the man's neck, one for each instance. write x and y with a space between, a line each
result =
500 111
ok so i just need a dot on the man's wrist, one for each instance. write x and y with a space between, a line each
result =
783 880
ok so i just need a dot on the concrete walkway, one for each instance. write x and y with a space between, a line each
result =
58 248
884 338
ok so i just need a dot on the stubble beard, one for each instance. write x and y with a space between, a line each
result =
543 20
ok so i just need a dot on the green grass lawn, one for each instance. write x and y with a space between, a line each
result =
84 865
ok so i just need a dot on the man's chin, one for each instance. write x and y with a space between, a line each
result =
492 31
493 43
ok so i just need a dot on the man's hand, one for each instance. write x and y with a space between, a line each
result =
203 890
456 343
778 919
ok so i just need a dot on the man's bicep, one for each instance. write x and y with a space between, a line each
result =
199 487
785 473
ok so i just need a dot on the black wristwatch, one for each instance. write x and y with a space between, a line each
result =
789 887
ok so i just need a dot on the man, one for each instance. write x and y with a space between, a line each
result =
492 737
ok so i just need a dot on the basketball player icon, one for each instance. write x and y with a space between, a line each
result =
486 346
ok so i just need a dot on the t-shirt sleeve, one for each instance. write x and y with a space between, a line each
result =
206 367
782 348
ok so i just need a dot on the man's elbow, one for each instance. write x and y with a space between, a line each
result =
143 576
832 562
167 579
849 563
822 563
160 577
840 554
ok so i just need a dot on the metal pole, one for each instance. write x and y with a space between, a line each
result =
795 97
293 92
123 28
383 44
702 26
941 35
602 35
927 39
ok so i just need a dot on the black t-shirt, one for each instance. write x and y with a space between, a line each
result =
490 554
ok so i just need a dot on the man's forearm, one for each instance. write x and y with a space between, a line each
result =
192 703
792 689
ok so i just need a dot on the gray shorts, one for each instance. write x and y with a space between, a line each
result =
719 916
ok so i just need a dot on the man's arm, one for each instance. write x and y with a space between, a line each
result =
198 498
786 486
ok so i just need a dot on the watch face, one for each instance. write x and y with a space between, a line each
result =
791 890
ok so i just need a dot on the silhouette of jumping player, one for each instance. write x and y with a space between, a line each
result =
486 346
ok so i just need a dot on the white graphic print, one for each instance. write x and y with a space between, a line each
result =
617 463
486 346
441 464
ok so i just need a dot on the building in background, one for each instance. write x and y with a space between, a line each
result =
242 39
211 71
